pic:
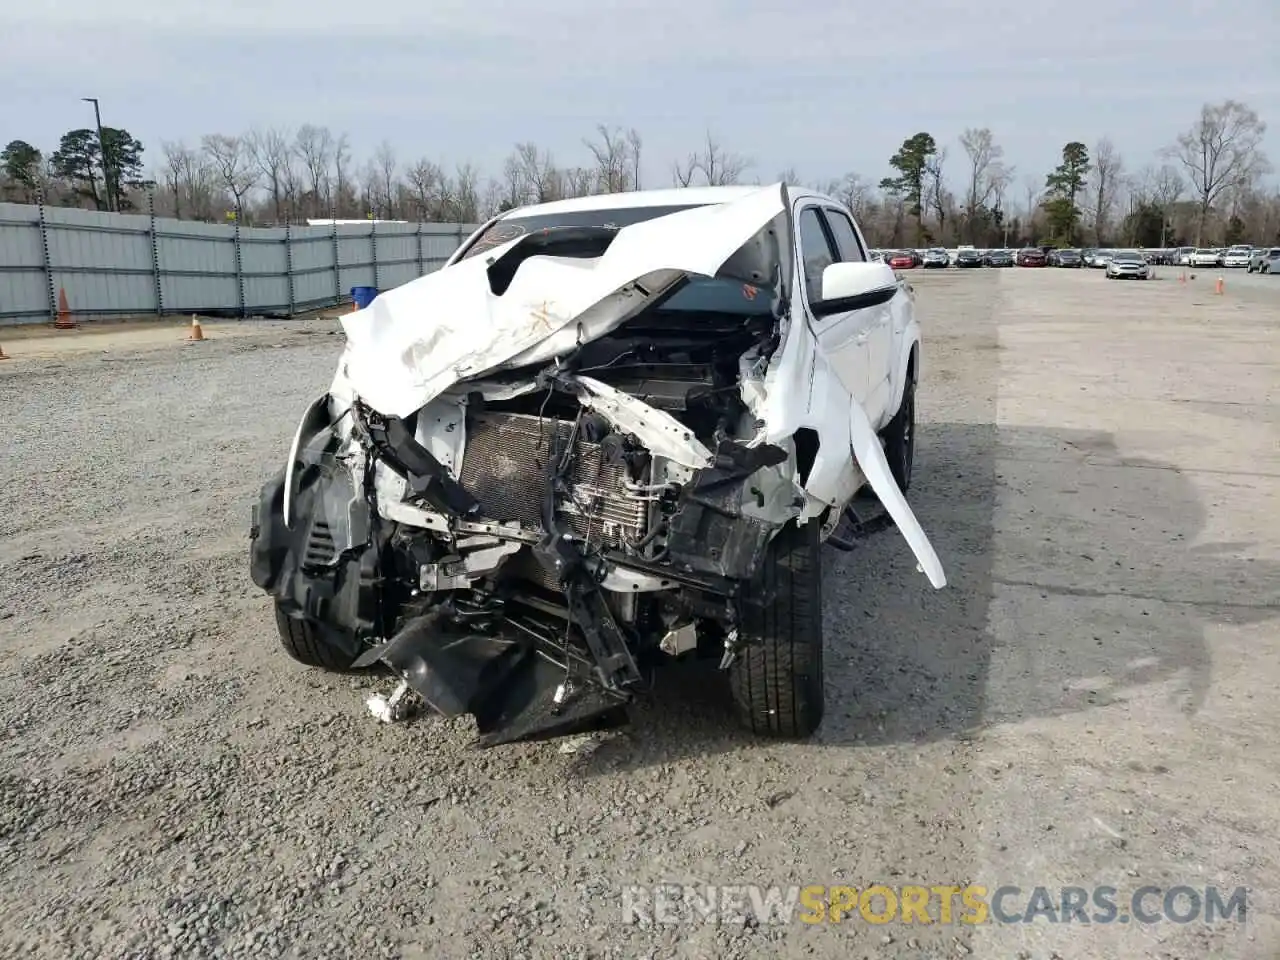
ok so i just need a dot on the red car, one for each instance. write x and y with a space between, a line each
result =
1031 257
901 260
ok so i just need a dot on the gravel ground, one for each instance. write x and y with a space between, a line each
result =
1090 701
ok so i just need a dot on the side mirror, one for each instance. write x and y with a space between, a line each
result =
855 286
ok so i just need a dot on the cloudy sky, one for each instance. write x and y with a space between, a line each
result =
823 87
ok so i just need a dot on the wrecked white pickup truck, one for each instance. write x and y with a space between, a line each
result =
610 431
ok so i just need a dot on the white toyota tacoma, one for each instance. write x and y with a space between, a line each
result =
609 432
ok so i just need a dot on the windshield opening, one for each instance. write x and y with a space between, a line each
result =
749 280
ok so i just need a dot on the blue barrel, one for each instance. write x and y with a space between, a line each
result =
363 296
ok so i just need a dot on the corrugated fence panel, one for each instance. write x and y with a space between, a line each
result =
266 270
197 266
314 281
355 257
111 264
101 260
397 249
24 289
439 240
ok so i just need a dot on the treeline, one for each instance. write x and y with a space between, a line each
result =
1207 186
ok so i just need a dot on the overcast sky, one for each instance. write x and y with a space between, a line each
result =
824 87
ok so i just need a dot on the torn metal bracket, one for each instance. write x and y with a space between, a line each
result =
615 666
400 705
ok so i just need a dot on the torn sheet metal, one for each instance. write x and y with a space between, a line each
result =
870 455
417 340
658 430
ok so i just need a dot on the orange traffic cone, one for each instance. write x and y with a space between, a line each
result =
196 332
1182 277
3 355
1219 287
64 321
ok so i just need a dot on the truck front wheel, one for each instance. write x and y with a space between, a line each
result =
777 677
303 640
900 437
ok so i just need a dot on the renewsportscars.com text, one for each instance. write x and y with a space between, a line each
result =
676 904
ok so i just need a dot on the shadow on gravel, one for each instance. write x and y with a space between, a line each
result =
1079 526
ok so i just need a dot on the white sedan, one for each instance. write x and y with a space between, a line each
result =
1237 256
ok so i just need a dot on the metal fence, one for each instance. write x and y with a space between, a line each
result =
114 264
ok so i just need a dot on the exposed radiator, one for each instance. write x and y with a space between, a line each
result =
504 468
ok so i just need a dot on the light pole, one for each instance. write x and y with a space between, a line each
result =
102 148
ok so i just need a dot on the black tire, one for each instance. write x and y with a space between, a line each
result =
776 679
302 641
900 438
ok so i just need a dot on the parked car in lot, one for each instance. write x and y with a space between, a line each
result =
1065 258
521 521
1031 257
969 258
1184 256
1204 257
901 259
936 257
1098 259
999 258
1128 264
1237 256
1261 258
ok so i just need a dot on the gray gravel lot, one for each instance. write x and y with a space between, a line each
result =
1091 700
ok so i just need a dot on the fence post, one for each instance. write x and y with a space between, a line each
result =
45 259
155 252
235 238
373 245
337 271
422 268
288 263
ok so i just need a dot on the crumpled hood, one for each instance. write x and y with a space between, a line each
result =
416 341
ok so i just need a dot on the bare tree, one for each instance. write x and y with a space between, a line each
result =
371 190
1221 152
937 197
987 172
233 166
612 154
313 147
1104 180
1033 186
634 143
682 174
720 167
341 170
789 175
384 160
270 154
427 188
513 185
1166 185
580 181
177 160
853 192
537 171
465 195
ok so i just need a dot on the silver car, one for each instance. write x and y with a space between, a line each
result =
1262 258
1128 264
